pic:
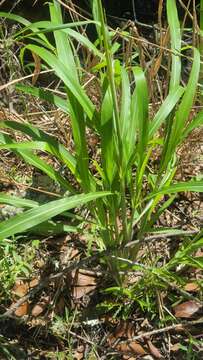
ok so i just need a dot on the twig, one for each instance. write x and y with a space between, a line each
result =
165 329
160 236
23 78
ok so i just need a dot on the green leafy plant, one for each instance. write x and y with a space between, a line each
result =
127 193
15 262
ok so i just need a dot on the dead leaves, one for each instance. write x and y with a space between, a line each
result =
121 341
20 289
83 283
191 287
187 309
132 348
40 307
37 69
22 310
154 351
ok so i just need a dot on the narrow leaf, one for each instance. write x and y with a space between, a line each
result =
67 77
18 202
175 34
45 95
194 186
165 109
33 217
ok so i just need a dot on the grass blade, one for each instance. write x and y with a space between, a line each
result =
125 116
17 202
107 141
33 217
187 100
67 77
193 186
50 144
196 122
34 160
175 34
45 95
26 23
141 118
165 109
64 51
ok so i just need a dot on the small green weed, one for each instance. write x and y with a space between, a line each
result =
15 262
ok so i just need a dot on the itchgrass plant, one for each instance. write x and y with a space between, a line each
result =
124 192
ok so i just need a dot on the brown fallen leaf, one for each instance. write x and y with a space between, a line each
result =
40 307
37 62
154 351
84 278
83 283
133 348
124 329
22 310
37 310
191 287
20 288
187 309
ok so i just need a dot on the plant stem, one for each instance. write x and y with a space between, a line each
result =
119 154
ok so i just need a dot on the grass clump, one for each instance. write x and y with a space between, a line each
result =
125 182
124 195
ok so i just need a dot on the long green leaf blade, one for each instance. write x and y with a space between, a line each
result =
17 202
195 123
165 109
63 47
187 100
175 34
67 77
50 144
193 186
33 217
38 163
141 111
45 95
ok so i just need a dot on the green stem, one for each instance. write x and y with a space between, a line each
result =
110 72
